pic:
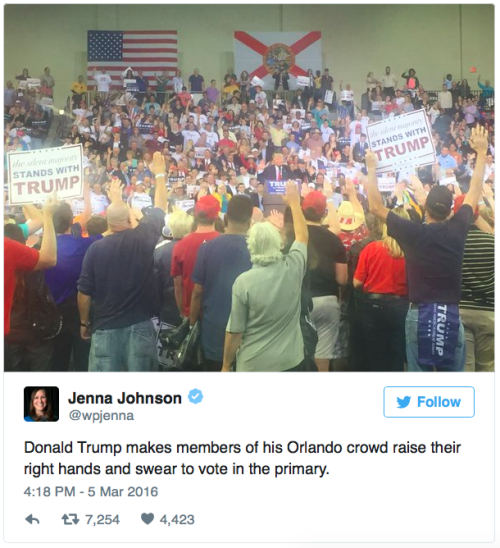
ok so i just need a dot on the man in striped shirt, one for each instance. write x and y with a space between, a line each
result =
477 305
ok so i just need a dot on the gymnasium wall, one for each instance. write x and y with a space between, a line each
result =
357 39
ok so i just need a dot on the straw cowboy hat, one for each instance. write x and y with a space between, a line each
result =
348 219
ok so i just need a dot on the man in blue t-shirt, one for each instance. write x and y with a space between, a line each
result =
196 82
62 281
434 254
117 279
219 263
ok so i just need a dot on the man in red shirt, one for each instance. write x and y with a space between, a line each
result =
186 251
226 141
18 257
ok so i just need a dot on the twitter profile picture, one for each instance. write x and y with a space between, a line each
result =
403 402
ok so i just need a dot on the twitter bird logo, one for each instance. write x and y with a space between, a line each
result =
402 403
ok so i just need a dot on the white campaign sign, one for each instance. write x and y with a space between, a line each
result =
34 175
329 97
448 181
199 152
294 111
34 82
184 205
256 81
403 141
386 184
303 81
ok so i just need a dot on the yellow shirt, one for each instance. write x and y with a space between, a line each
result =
277 136
78 88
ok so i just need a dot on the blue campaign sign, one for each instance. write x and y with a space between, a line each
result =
276 187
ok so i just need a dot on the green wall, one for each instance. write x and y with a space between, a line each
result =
357 39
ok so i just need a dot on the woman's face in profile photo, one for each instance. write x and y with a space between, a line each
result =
40 402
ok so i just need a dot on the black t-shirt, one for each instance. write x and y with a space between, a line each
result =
434 255
324 250
118 274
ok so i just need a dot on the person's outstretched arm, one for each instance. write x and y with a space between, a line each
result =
479 142
292 199
159 169
375 202
48 251
34 218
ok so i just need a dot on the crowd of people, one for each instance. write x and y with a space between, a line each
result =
177 222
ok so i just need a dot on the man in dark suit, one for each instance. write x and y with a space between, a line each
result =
265 150
281 79
360 149
258 196
301 172
203 163
276 171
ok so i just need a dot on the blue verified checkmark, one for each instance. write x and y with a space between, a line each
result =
195 396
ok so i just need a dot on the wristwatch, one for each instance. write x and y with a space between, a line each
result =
84 324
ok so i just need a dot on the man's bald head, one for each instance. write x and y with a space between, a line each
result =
118 216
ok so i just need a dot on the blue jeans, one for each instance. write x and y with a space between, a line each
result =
412 346
131 348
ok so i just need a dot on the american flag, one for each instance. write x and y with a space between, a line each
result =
151 51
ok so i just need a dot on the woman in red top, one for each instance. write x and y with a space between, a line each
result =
258 131
383 305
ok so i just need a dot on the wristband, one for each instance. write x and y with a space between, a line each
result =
159 175
85 324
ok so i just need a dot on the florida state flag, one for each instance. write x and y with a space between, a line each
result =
261 53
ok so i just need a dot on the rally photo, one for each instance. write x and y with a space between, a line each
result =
249 188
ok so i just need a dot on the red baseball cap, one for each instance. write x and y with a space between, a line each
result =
315 200
209 206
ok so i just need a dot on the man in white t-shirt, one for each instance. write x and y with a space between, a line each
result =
399 98
139 199
190 134
103 81
445 99
326 131
212 137
98 200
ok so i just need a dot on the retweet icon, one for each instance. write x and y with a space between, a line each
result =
402 403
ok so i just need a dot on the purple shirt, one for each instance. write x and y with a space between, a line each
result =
470 113
62 278
213 94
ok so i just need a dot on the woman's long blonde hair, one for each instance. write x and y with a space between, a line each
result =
390 243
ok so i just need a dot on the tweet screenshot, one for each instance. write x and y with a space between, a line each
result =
212 199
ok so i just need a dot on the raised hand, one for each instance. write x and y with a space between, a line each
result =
115 190
479 139
276 218
350 190
51 204
327 189
487 191
158 167
371 160
292 193
416 183
304 190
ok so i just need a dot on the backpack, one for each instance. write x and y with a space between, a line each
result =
35 316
